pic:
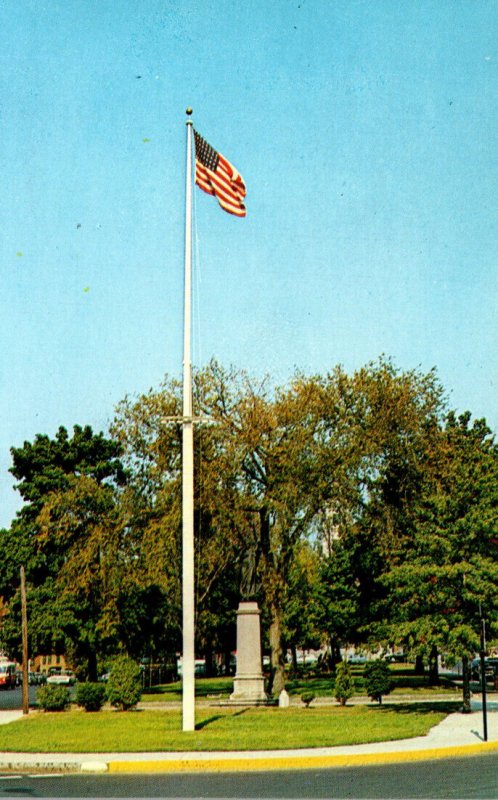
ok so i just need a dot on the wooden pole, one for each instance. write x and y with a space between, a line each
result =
25 671
483 677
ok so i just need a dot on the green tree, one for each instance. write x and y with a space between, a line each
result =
401 419
149 429
300 609
53 698
45 465
48 469
254 482
377 678
380 424
124 687
450 569
337 596
48 619
90 696
277 443
271 466
344 683
84 524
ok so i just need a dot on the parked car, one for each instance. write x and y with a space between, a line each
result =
490 668
36 678
395 658
63 678
199 667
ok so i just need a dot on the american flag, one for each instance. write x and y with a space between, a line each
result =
215 175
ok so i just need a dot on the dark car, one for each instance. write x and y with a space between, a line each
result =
36 678
490 669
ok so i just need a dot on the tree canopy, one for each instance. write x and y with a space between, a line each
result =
368 509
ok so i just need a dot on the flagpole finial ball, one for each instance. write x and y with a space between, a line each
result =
188 111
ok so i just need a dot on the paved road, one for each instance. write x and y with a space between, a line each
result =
12 698
474 777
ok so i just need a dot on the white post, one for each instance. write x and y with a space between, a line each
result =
188 656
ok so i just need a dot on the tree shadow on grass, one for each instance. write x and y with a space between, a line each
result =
320 685
114 710
446 707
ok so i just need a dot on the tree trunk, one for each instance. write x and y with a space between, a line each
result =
209 659
466 685
277 675
419 665
335 653
294 657
433 667
92 666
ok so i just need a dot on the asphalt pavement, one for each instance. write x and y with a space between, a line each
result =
11 699
443 779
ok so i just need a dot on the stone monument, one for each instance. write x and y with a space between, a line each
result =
248 684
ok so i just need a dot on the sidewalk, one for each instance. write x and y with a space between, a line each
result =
458 735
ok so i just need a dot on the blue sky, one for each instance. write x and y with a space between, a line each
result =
366 135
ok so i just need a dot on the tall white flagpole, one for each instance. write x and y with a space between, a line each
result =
188 655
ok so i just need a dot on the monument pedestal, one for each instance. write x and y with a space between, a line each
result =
248 684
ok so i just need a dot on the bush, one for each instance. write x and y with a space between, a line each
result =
53 698
307 698
344 683
377 679
90 696
124 687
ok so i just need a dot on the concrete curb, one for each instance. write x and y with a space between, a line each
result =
265 763
239 762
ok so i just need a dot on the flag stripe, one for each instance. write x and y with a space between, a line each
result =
216 176
229 197
217 183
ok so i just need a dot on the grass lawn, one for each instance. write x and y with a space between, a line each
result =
217 688
409 683
218 729
404 683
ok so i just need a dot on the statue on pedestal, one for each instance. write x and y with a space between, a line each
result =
248 683
249 584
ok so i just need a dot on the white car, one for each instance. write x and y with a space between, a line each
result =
63 678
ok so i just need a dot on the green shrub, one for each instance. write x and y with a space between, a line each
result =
53 698
344 683
377 678
124 687
307 698
90 696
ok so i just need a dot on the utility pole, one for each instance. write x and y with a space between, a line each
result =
25 674
483 675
